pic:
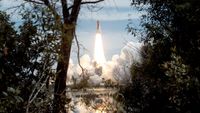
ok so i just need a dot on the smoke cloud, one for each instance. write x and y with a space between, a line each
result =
117 69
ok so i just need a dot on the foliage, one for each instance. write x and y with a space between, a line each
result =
167 81
24 65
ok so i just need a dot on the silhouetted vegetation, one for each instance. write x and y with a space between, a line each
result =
25 65
167 81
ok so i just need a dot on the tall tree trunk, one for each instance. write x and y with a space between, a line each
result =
66 23
60 99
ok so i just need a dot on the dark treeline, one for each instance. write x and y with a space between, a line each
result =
25 66
168 79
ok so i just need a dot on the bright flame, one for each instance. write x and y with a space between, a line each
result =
98 50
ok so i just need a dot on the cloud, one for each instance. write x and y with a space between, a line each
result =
95 80
71 71
117 69
86 64
85 61
131 52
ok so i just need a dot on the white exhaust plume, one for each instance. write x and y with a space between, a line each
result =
99 56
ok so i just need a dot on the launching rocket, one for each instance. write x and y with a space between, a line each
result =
99 56
98 27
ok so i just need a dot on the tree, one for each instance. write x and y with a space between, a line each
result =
66 24
167 81
21 69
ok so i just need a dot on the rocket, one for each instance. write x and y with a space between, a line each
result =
98 27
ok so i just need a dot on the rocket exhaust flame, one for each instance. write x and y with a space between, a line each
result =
99 56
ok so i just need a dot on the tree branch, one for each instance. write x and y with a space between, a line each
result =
78 54
87 2
65 10
33 1
75 10
92 2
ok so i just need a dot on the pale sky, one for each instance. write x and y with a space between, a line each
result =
113 16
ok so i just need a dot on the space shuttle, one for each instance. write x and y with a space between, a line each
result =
98 27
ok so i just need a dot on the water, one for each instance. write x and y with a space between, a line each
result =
94 100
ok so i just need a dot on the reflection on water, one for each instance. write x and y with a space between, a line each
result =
99 100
